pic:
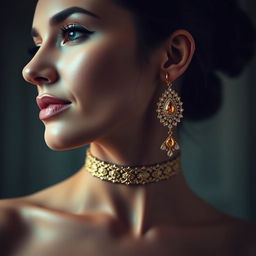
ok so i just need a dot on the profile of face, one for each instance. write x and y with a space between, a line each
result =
88 56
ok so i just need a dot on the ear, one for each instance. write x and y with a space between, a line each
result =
177 54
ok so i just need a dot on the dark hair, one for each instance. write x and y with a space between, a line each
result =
224 37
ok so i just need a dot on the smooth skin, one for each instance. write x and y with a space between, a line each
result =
113 99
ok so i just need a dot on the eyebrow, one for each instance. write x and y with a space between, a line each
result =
61 16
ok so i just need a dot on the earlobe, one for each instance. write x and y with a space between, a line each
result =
179 50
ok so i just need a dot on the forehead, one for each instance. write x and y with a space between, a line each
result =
107 10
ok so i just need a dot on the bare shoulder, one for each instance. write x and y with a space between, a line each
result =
9 214
12 227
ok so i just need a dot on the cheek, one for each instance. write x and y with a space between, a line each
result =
101 75
102 79
109 89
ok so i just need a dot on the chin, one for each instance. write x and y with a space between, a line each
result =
60 141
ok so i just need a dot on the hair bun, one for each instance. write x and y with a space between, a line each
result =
224 36
233 39
226 43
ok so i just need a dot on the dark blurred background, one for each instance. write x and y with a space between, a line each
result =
218 155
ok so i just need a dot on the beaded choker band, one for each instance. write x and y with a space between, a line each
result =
131 174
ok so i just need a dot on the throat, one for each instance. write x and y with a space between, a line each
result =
132 209
139 221
137 208
132 175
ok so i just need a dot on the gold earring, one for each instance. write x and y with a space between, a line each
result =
169 111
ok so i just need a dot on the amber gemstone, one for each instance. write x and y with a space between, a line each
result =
169 108
170 142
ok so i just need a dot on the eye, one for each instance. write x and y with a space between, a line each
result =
74 32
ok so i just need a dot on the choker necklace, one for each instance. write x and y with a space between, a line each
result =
135 175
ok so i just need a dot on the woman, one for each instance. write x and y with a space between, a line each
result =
105 72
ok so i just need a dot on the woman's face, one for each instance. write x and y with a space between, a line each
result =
88 56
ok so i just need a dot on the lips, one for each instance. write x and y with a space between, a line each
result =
51 106
45 100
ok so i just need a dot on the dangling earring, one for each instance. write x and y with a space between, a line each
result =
169 111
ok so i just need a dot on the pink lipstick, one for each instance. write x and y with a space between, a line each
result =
51 106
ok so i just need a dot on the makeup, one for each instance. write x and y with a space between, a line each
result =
52 110
51 106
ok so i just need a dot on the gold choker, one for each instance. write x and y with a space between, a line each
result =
132 174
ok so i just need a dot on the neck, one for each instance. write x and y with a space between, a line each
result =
131 175
138 207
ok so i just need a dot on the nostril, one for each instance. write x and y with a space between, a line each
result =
38 74
42 80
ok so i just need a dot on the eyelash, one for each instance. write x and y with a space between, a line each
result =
65 31
76 29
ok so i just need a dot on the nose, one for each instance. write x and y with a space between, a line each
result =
40 71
